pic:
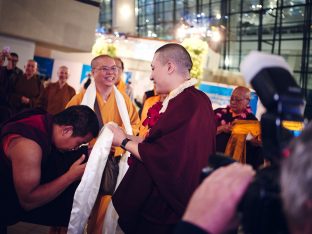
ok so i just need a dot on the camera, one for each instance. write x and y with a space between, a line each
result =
270 76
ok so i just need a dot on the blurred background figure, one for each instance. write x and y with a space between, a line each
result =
238 130
5 85
140 105
58 94
88 81
27 90
16 71
120 84
296 181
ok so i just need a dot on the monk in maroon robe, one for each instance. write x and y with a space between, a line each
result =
37 151
165 168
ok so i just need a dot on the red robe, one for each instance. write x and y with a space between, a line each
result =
154 193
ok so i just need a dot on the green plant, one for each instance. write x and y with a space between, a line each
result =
198 50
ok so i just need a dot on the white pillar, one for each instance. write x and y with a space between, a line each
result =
124 17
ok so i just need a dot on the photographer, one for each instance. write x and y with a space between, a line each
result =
212 208
296 181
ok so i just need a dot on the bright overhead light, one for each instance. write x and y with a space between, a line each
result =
125 11
216 36
181 32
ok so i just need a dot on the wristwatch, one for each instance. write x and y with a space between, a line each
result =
124 142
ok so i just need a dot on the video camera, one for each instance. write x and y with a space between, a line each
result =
270 76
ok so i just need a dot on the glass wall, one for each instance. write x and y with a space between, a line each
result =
280 27
105 17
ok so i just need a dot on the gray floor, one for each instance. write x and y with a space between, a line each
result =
27 228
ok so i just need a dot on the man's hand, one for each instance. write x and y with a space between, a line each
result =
25 100
118 132
227 128
213 205
255 142
26 156
119 136
76 170
224 128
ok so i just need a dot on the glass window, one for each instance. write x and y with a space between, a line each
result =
246 25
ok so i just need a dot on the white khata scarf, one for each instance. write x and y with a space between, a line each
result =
88 188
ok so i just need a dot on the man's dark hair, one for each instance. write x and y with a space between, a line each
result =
176 53
14 54
82 118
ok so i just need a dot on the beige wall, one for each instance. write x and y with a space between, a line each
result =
64 24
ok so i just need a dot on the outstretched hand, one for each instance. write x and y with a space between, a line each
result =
214 203
118 132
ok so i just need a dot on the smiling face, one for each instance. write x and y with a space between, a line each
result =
30 68
240 100
104 71
159 75
63 75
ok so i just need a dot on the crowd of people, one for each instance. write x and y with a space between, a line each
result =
47 134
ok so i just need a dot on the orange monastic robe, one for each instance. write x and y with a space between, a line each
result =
122 87
109 112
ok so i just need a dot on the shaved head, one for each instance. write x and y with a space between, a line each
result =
94 60
242 91
177 54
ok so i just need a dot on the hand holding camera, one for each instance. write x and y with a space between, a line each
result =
5 53
227 183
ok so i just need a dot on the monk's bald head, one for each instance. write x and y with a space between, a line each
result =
242 92
177 54
98 58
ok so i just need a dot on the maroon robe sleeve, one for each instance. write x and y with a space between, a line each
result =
173 156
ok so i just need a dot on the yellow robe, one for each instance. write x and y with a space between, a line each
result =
122 87
109 112
236 146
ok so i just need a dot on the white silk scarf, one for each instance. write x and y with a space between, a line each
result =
88 188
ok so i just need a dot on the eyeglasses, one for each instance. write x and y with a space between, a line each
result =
105 69
237 99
